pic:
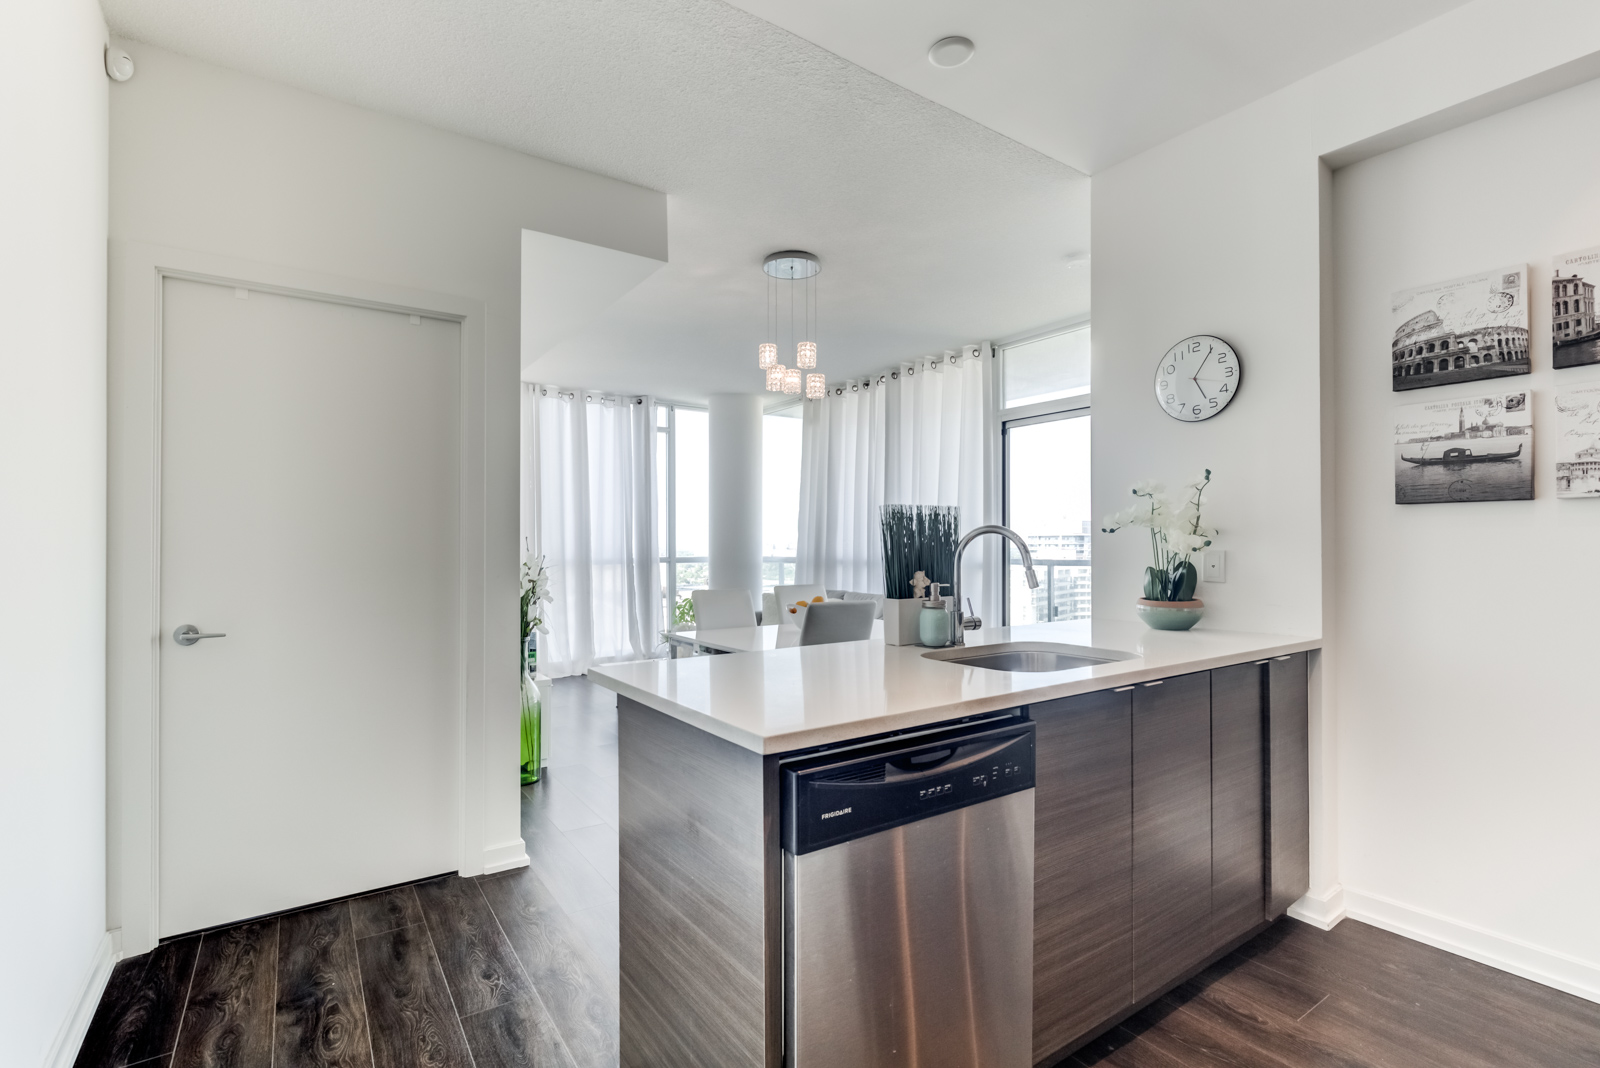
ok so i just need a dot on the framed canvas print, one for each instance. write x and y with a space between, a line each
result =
1574 335
1463 330
1474 449
1578 442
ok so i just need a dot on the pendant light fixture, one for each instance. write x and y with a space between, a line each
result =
798 270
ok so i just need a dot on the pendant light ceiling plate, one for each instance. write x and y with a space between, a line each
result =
791 265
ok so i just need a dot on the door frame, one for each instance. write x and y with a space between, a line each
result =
133 608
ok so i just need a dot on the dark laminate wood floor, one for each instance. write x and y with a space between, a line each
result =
519 970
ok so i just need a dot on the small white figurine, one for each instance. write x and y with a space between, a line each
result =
920 584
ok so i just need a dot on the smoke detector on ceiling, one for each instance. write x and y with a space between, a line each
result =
950 51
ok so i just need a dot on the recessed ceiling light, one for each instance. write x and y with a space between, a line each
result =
950 52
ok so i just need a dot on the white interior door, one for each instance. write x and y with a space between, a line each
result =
310 511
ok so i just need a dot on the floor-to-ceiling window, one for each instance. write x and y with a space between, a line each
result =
1045 431
780 496
683 487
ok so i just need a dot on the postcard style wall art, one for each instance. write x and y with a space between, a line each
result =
1574 334
1578 442
1474 449
1463 330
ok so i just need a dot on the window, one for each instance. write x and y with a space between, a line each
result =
683 485
1047 502
1045 477
1050 368
780 497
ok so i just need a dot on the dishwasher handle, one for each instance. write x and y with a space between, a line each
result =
940 761
827 801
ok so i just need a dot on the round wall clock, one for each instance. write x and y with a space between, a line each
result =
1197 378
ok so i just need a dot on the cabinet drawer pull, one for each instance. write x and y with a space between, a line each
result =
1289 657
1157 682
1122 689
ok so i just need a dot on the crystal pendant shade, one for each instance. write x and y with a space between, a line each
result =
791 289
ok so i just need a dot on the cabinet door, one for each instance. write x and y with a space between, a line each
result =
1083 834
1288 777
1171 829
1238 898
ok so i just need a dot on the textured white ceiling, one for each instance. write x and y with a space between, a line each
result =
1092 82
933 230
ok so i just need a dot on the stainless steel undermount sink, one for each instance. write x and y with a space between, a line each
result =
1026 656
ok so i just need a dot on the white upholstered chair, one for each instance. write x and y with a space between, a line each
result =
788 595
837 621
715 609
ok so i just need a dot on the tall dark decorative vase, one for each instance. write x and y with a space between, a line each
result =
531 715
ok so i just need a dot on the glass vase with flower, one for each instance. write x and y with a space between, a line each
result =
535 594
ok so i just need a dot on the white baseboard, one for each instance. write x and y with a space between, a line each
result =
512 854
1547 966
64 1050
1320 910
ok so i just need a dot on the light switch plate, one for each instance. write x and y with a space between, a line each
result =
1214 565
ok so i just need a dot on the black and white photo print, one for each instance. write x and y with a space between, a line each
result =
1574 336
1474 449
1463 330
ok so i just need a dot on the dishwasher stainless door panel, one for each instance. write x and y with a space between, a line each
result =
913 947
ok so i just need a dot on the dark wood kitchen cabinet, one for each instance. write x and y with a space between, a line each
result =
1288 851
1238 904
1082 866
1170 822
1171 830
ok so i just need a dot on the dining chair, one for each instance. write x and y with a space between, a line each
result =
788 595
837 621
714 609
877 600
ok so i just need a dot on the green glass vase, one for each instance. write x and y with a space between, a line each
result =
531 714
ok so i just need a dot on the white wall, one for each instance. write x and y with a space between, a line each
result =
52 523
1468 726
1223 230
207 159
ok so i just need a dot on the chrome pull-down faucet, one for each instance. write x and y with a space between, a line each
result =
963 621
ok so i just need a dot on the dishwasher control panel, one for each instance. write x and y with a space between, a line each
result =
833 798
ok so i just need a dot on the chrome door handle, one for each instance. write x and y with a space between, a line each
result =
188 634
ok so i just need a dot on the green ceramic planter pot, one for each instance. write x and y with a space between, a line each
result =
1171 615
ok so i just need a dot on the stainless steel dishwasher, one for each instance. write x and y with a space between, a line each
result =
908 900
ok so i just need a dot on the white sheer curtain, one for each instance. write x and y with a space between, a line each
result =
945 449
589 505
927 433
841 488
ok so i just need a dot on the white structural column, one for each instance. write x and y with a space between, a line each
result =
736 492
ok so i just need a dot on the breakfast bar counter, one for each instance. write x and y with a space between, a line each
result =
772 696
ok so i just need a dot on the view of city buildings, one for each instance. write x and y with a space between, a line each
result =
1061 562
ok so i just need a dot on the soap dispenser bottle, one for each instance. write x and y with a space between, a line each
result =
934 625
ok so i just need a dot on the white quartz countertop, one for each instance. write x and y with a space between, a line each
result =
778 696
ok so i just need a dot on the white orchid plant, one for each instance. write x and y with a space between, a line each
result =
535 592
1176 534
